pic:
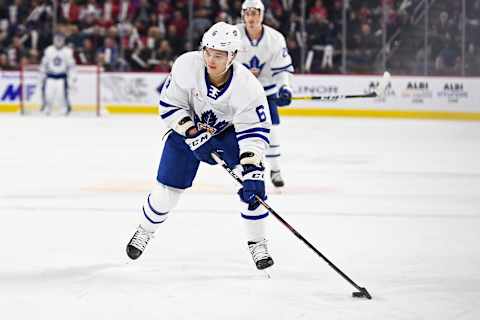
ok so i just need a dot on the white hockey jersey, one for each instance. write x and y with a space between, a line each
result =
268 57
241 102
57 63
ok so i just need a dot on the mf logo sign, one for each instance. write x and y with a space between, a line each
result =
12 92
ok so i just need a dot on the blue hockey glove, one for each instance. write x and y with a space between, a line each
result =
253 185
202 146
284 96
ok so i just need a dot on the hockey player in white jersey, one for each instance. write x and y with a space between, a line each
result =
57 71
211 103
265 53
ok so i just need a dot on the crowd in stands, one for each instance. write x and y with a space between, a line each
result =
445 48
146 35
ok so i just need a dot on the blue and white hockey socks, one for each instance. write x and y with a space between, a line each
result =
273 151
254 221
158 204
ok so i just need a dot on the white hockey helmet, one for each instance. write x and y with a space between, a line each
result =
222 36
255 4
225 37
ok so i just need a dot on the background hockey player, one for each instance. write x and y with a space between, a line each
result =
211 104
265 54
57 69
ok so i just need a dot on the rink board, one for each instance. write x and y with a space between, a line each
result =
406 97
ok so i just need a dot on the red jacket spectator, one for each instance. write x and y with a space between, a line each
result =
180 23
320 9
109 13
70 11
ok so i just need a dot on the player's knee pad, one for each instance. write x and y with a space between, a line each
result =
159 202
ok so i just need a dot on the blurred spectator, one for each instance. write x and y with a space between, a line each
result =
4 65
90 9
319 9
419 67
180 23
446 59
442 29
143 12
365 14
200 24
177 43
86 54
162 57
472 60
69 11
16 52
111 55
294 51
318 30
17 13
364 48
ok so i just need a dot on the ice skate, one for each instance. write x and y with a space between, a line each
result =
260 254
139 241
276 178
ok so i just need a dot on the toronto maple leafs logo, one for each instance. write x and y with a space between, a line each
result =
209 122
57 61
255 66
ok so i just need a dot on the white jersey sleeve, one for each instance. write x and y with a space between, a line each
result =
174 96
252 121
281 65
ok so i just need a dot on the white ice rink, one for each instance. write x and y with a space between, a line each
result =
395 204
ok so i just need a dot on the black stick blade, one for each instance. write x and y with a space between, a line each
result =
363 293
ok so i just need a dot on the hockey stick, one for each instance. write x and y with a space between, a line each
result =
372 94
378 92
362 291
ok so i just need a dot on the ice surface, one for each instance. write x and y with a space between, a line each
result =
395 204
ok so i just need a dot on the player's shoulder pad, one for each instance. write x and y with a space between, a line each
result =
185 66
277 37
68 50
50 49
247 86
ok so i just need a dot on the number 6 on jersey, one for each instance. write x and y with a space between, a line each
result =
261 113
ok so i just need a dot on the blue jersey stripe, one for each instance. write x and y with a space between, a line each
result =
281 68
254 130
167 105
269 87
253 135
275 73
169 113
262 216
